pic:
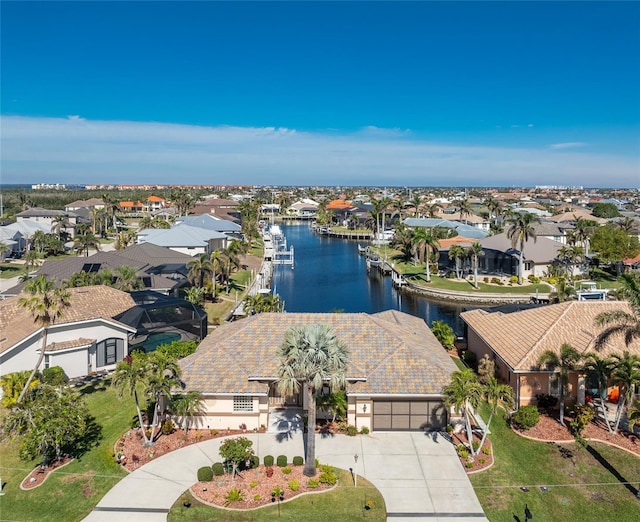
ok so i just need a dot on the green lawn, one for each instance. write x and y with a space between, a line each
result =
343 503
70 493
521 462
7 271
218 311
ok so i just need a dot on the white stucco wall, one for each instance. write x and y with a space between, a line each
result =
75 362
218 414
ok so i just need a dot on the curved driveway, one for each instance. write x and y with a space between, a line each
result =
419 475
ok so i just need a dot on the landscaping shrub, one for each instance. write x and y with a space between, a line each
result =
364 430
214 433
268 460
255 461
485 279
470 359
167 427
496 281
476 445
254 484
218 469
327 475
294 485
205 474
352 431
233 495
468 464
269 472
526 417
313 483
533 279
463 454
546 402
584 414
281 461
513 280
298 461
257 498
286 470
54 376
486 450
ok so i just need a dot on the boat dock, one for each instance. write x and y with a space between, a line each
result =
275 247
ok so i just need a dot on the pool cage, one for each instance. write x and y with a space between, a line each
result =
162 319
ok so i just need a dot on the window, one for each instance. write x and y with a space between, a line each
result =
47 361
528 265
109 352
242 403
554 384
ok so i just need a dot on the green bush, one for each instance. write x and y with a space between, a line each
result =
281 461
218 469
327 475
584 414
254 484
526 417
286 470
294 485
546 401
496 281
485 279
463 454
513 280
268 460
352 431
313 483
54 376
178 349
298 461
233 495
470 359
205 474
167 427
486 450
476 445
255 461
364 430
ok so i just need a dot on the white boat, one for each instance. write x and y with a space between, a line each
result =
589 291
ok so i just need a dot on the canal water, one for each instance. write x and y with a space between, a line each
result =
330 276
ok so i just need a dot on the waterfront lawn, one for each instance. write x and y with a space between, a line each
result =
467 286
7 271
522 462
72 492
218 311
344 503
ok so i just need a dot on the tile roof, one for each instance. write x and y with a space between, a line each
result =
540 250
43 212
396 353
519 338
65 345
89 302
180 236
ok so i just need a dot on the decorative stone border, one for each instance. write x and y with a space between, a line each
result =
46 476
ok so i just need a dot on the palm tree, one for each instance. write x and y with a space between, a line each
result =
128 375
124 239
520 231
199 269
385 203
463 393
145 223
311 356
424 241
187 405
633 416
582 232
375 213
566 361
162 374
127 279
84 242
627 224
457 253
4 248
563 291
464 207
600 369
416 201
46 304
625 375
59 225
475 252
495 394
433 209
621 322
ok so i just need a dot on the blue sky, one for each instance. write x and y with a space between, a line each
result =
419 93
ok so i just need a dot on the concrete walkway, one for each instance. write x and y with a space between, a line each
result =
419 475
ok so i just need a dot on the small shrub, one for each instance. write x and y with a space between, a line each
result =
327 475
205 474
199 435
298 461
294 485
475 445
214 433
269 472
526 417
546 401
583 416
486 450
364 430
218 469
468 464
513 280
257 498
277 492
54 376
254 484
281 461
352 431
485 279
268 460
286 470
316 462
482 460
463 454
496 281
313 483
233 495
167 427
255 461
470 359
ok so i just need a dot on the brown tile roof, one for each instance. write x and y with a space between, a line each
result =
89 302
519 338
396 353
74 343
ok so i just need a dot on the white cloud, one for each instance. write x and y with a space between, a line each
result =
530 125
85 151
567 145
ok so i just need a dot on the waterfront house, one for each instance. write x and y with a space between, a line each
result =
463 230
186 239
46 218
396 371
515 341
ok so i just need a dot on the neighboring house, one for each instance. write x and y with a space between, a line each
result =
515 341
211 222
222 208
396 370
159 268
468 219
467 231
13 239
501 258
154 203
23 231
131 206
570 217
89 204
303 209
551 230
46 217
186 239
166 214
85 339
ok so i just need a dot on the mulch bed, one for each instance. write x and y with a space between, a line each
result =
40 473
256 487
550 429
130 445
478 462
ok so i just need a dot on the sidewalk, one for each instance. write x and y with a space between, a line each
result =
418 474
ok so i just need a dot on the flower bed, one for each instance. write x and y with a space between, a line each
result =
256 487
40 473
473 463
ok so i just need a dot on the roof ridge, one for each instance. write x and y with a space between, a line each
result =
547 332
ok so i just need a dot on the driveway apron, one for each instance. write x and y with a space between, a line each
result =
418 474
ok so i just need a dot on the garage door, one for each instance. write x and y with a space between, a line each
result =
408 415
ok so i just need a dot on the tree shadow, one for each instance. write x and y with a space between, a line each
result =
605 463
91 438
